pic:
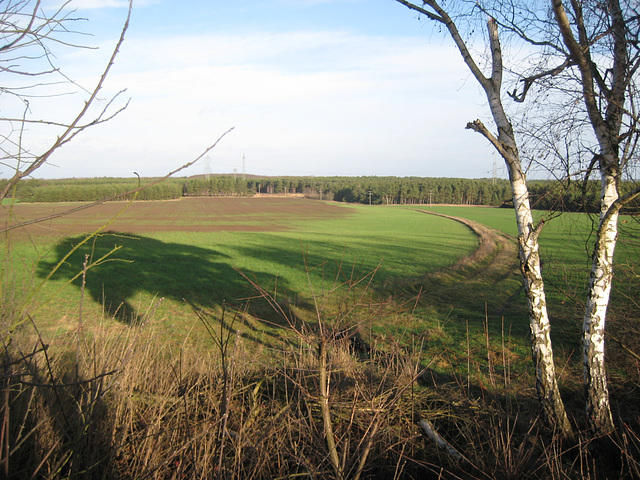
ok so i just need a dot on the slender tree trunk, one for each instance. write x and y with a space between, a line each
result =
547 388
593 328
506 145
530 267
541 350
605 107
528 233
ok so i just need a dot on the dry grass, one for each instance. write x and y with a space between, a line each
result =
130 408
105 403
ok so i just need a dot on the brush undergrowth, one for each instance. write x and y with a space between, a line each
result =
329 400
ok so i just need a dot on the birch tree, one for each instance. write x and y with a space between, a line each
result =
587 57
601 40
528 231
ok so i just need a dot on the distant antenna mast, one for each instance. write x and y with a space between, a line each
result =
243 166
207 167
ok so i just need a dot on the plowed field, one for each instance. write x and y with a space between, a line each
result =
202 214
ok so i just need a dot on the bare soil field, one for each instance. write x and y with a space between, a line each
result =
201 214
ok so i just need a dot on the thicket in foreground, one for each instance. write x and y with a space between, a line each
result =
333 401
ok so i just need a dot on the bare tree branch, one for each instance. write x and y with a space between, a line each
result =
73 128
530 80
118 196
25 32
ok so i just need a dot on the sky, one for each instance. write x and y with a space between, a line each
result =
310 87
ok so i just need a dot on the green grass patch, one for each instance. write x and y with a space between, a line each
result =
565 247
202 268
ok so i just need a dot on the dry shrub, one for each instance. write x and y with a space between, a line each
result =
331 401
131 407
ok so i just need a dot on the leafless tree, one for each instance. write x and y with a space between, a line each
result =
601 39
29 36
528 231
589 59
583 68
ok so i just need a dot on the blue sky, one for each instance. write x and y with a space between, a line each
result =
312 87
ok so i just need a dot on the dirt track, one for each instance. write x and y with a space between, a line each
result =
494 262
492 244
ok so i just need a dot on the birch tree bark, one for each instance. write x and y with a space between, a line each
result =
605 98
528 232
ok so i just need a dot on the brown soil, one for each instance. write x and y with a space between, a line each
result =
197 214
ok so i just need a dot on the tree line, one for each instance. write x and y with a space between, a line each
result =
545 194
366 189
93 189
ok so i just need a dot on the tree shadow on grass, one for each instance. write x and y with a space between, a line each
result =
183 273
205 278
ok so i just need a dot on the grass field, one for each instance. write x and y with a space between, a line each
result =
152 380
565 245
194 249
201 252
566 242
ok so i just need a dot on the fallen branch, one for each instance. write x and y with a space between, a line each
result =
430 432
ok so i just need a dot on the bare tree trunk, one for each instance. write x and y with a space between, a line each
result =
605 107
539 324
593 328
547 388
505 143
529 252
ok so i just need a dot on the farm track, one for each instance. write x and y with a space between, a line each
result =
494 262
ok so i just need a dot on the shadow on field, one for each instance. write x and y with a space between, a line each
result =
202 277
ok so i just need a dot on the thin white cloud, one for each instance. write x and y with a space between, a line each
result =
301 102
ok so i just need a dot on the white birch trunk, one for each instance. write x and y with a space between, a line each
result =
539 324
593 328
505 144
541 350
605 107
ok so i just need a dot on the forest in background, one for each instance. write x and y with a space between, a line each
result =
545 194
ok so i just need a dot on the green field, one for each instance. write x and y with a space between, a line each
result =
171 257
176 262
566 242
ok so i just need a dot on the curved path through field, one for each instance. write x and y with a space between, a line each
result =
475 279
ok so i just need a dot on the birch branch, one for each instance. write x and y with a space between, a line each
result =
479 127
